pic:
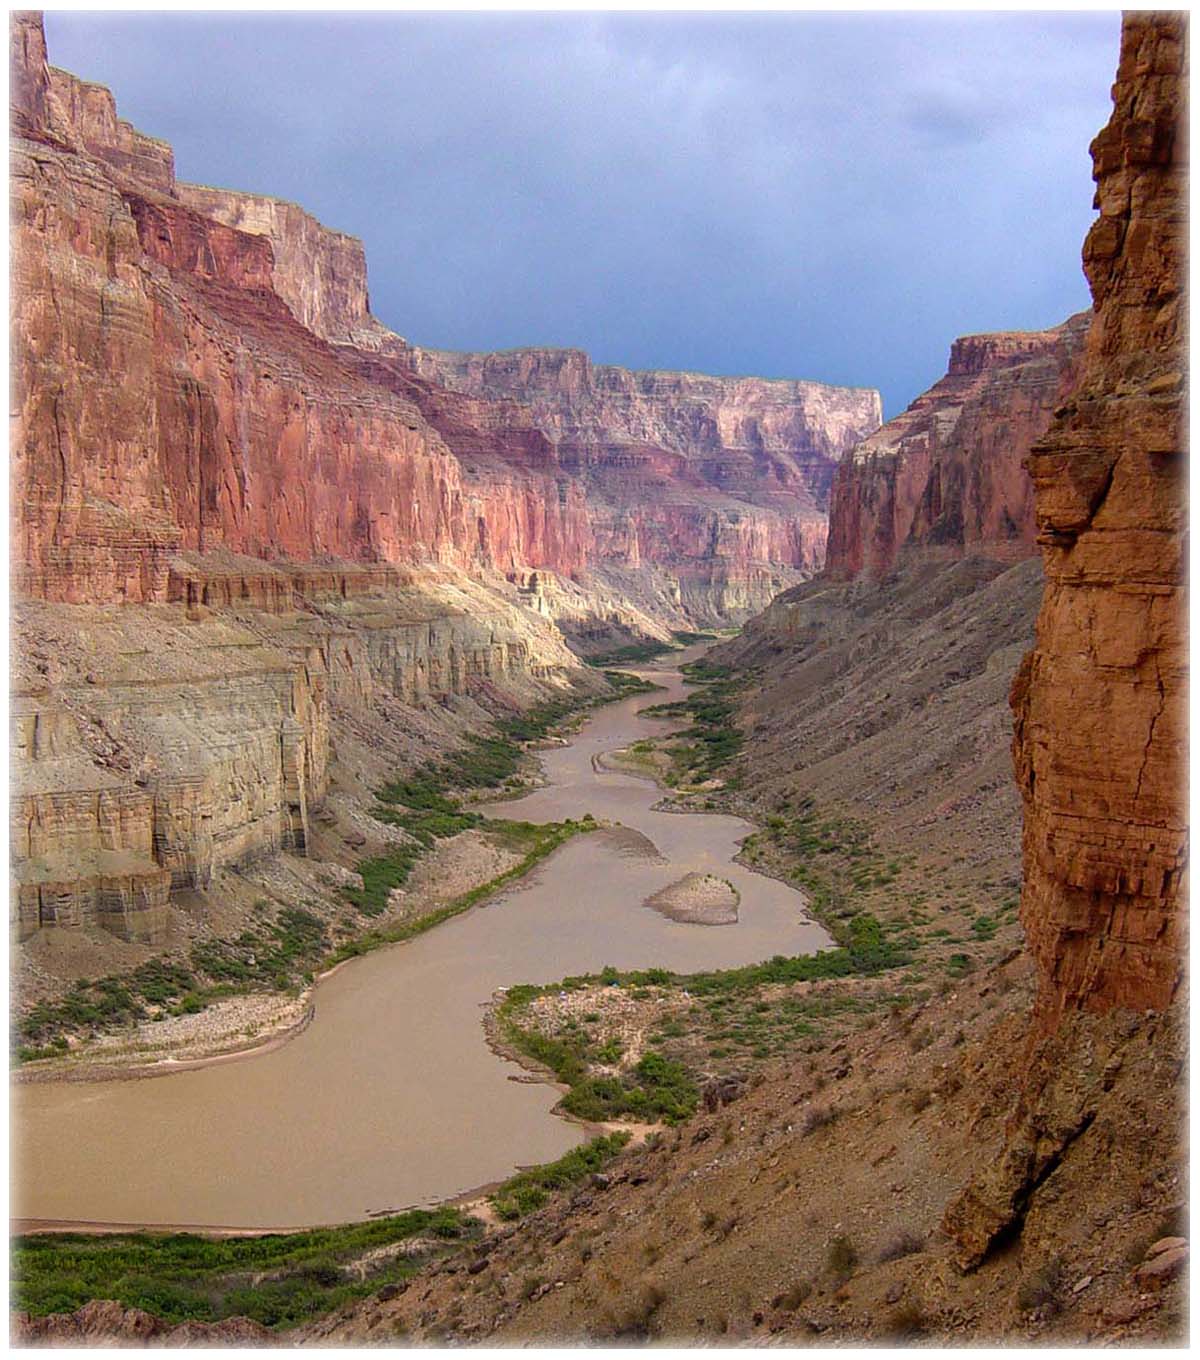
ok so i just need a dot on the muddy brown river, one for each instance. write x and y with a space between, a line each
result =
391 1097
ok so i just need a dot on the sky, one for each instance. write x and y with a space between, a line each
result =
824 196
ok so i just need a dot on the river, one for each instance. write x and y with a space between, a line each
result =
391 1097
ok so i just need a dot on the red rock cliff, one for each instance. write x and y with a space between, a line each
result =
944 479
1100 702
166 397
321 274
749 460
197 368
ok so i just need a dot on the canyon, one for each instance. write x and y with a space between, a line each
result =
944 479
1005 1157
269 556
883 682
293 541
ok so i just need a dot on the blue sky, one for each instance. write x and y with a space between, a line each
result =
818 196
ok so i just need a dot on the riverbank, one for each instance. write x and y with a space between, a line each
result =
426 854
254 1024
265 1142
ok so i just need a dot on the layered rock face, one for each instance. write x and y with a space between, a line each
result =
944 479
169 400
155 746
727 479
321 274
199 368
1100 703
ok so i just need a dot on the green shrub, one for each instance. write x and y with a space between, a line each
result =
182 1276
529 1190
841 1257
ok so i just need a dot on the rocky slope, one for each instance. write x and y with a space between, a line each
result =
883 684
806 1212
944 479
888 700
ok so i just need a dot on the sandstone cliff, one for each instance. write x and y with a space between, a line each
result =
728 476
724 482
944 479
1100 703
168 399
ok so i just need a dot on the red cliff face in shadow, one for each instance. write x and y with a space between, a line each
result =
1100 702
197 369
944 479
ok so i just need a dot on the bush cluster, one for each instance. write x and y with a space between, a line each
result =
276 955
530 1189
280 1280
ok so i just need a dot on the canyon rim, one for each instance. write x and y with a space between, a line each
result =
400 720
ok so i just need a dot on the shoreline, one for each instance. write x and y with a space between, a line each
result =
474 1199
92 1068
168 1067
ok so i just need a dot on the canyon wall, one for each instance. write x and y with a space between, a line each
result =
1100 702
198 368
884 681
320 273
944 479
724 480
155 746
168 399
729 477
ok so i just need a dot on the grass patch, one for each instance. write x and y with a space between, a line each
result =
543 839
654 1088
632 654
529 1190
724 1008
277 955
712 739
279 1280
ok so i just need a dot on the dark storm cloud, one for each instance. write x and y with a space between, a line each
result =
789 195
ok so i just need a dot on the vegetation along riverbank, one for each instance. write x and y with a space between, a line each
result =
232 993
